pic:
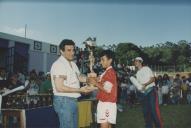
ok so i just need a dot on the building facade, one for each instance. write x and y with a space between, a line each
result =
22 54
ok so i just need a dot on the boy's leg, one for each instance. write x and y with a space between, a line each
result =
106 114
105 125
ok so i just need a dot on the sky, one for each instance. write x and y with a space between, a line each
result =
110 21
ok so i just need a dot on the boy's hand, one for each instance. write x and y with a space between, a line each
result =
92 81
86 89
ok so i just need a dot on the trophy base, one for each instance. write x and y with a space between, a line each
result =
92 76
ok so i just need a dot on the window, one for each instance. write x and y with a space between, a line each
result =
37 45
53 49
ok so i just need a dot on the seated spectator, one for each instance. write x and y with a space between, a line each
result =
21 77
41 77
46 86
3 79
13 81
33 83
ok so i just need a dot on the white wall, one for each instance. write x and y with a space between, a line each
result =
50 60
35 61
13 38
40 60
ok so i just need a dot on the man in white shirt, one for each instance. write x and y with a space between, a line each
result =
150 100
65 78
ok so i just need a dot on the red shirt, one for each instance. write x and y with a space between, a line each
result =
110 76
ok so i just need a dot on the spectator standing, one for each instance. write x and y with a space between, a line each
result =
165 88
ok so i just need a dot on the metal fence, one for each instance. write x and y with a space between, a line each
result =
159 68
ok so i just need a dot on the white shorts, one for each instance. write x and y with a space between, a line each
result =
106 112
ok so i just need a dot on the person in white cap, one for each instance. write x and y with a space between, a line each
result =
151 110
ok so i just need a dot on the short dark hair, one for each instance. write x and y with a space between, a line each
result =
66 42
108 53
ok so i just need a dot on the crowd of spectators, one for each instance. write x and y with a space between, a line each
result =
171 90
38 82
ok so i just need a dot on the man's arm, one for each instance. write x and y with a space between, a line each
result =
60 87
82 78
87 79
152 79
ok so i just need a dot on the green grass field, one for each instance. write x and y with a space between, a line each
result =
173 116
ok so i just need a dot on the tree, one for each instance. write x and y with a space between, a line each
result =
97 51
169 53
125 52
